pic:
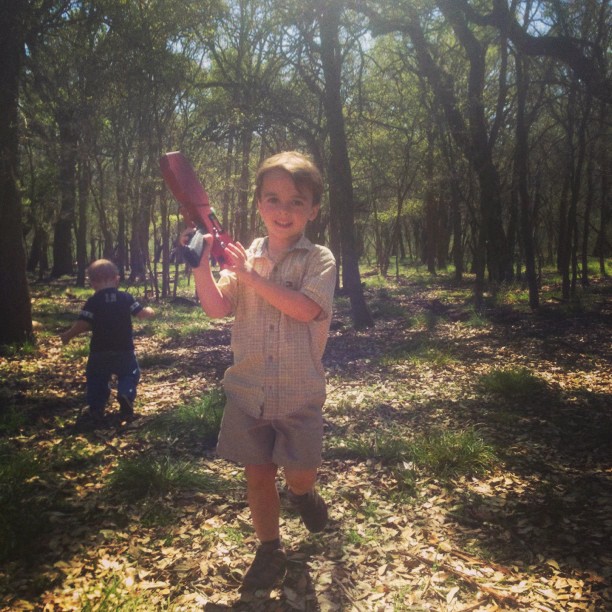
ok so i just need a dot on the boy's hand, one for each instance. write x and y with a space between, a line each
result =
238 260
187 235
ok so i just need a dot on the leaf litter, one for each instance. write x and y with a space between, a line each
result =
532 533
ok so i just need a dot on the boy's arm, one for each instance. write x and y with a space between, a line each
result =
79 327
291 302
213 302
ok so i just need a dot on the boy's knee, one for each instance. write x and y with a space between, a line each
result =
260 475
301 481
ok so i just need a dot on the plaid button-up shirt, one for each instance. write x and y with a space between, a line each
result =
277 360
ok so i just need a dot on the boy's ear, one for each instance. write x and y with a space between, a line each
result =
314 212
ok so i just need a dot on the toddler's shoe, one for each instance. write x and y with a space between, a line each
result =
89 421
312 509
126 408
268 569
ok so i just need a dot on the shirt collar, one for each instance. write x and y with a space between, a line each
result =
260 246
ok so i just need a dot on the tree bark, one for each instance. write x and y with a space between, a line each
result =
339 174
15 305
64 225
521 169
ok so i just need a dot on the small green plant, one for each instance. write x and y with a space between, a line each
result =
19 349
11 420
512 383
22 517
386 446
442 454
199 420
71 454
113 595
79 347
450 454
143 477
423 354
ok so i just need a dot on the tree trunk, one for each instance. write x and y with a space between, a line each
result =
340 175
81 234
15 305
521 169
64 225
431 231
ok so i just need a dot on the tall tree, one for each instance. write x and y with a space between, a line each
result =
21 22
340 175
15 308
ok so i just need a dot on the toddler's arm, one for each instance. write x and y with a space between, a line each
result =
79 327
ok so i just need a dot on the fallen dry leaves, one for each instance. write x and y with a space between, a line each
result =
534 534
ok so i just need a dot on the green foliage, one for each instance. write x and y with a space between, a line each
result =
11 418
150 477
176 322
450 454
22 517
199 420
19 350
77 347
512 383
421 354
111 595
441 454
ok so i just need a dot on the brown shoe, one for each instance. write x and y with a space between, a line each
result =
268 568
312 509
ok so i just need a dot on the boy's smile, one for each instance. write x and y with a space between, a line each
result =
285 209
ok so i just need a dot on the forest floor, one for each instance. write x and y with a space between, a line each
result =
531 531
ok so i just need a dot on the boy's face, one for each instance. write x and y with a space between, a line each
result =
285 209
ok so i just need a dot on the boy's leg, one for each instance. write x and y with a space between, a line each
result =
128 376
263 499
270 559
300 481
98 375
305 499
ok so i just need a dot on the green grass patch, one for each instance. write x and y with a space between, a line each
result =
512 383
153 477
12 419
421 354
450 454
19 350
111 595
22 517
198 420
78 347
72 454
441 454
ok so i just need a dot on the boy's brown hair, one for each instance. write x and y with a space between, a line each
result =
301 169
102 270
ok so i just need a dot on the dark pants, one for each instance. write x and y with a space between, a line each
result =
100 367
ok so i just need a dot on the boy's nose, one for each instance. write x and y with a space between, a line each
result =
284 206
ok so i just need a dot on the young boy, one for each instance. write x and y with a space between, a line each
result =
281 292
108 314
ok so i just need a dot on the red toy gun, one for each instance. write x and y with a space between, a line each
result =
184 184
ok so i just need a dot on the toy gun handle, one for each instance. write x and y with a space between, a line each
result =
184 184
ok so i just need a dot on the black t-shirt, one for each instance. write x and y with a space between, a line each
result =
109 312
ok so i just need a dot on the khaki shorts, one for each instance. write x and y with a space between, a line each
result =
294 441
